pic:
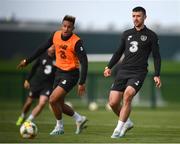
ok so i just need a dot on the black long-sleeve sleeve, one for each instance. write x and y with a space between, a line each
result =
33 69
117 55
81 54
41 49
156 55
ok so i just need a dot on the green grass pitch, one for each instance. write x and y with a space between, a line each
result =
161 125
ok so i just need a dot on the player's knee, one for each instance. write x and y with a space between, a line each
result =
113 104
29 100
127 99
28 103
52 100
129 93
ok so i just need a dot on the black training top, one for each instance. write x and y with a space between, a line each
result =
43 71
136 47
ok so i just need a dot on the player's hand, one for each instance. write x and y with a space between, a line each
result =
22 64
81 89
157 81
26 84
107 72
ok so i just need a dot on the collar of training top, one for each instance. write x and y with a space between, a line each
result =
141 29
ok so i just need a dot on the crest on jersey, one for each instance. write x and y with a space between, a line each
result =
143 37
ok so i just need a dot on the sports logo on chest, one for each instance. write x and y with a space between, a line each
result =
64 47
129 37
143 37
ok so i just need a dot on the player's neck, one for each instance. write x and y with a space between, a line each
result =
140 27
66 37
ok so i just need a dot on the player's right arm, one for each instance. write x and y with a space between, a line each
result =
31 74
115 58
37 53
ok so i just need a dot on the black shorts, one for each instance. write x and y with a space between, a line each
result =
122 81
45 90
66 80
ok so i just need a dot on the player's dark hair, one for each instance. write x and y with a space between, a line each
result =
69 18
139 9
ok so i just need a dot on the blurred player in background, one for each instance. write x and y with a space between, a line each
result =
69 52
40 82
136 45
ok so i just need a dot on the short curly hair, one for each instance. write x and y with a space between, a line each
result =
139 9
69 18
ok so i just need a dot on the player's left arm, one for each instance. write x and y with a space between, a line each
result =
82 56
157 60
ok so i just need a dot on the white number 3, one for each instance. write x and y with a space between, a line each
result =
48 69
134 46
